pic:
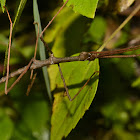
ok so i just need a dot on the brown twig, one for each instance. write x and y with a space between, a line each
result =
9 47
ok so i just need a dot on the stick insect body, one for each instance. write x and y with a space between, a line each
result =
89 56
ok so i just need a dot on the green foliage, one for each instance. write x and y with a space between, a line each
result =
6 126
18 14
2 4
136 83
66 114
96 30
3 44
37 122
84 7
123 64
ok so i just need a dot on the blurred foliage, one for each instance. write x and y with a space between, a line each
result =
115 111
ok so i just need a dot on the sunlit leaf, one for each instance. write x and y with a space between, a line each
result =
84 7
136 83
66 114
2 4
18 13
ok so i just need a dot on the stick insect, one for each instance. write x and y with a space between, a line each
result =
89 56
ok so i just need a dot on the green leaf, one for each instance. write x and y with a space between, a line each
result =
18 14
36 115
84 7
2 4
6 128
22 132
66 114
96 30
41 47
136 83
53 71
